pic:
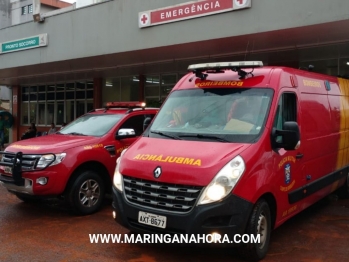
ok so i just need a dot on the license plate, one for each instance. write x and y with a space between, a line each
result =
8 169
151 219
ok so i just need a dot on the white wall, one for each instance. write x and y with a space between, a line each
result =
81 3
112 27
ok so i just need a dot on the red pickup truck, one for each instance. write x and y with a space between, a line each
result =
78 162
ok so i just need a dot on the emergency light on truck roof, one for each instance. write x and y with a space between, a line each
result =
197 69
125 104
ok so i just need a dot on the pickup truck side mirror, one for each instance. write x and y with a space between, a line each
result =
125 133
287 138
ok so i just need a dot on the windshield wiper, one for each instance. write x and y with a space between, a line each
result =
166 135
76 134
217 138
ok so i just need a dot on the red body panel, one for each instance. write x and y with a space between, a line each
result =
180 160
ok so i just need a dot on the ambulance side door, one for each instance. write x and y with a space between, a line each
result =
288 164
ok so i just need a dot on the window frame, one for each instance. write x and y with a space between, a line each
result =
24 10
30 9
31 109
286 104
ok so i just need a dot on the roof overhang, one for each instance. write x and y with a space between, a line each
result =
280 47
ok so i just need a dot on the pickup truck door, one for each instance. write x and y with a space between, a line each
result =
134 122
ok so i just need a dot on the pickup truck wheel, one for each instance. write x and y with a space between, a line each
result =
343 192
259 224
86 193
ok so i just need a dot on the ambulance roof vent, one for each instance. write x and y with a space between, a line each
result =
198 69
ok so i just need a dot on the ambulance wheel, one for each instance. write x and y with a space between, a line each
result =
259 223
343 192
86 193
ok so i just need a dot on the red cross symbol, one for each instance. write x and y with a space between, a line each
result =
144 19
240 2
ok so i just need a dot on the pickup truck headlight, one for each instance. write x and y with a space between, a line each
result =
45 160
117 180
224 182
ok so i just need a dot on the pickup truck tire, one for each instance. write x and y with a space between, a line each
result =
86 193
259 223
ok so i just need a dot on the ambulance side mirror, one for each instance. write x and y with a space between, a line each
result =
288 138
125 133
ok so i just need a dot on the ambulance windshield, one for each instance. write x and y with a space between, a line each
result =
220 114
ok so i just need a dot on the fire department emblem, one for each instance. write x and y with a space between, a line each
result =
287 174
157 172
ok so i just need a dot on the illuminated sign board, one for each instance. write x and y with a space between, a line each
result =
189 10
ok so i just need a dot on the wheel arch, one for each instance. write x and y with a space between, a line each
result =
95 166
270 199
256 251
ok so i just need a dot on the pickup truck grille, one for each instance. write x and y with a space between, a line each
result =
164 196
28 161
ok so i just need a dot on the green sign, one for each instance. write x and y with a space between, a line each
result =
22 44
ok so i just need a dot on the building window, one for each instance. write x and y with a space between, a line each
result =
120 89
157 88
167 83
24 10
30 9
56 103
333 67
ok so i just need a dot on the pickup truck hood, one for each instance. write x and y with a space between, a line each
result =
183 162
54 143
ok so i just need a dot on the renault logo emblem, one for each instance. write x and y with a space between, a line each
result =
157 172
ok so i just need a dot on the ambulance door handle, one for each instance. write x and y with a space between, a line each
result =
299 156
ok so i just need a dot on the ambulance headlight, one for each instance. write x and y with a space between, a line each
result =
224 181
117 180
46 160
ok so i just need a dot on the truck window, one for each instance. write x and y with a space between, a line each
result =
286 110
92 124
136 123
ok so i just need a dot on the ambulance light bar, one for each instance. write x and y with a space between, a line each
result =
225 65
125 104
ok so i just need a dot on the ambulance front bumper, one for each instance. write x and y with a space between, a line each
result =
229 216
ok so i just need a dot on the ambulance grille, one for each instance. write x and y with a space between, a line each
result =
164 196
28 161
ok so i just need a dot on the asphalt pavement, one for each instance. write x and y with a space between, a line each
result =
48 231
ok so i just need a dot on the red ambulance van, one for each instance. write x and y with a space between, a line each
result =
78 162
237 148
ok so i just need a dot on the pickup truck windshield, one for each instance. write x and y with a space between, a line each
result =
91 125
214 114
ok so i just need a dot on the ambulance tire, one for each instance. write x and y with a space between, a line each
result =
259 223
86 193
343 192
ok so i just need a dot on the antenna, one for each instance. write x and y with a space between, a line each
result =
248 43
249 52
